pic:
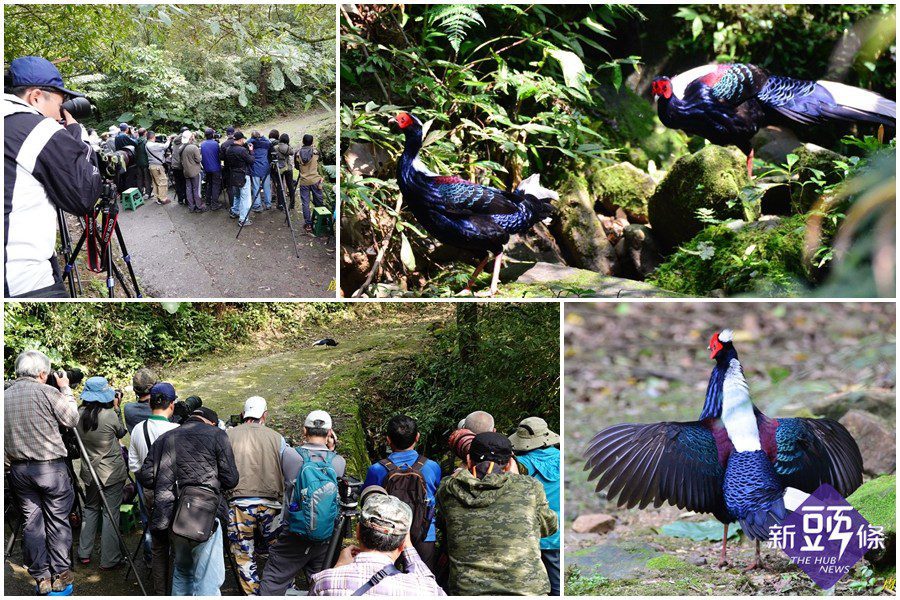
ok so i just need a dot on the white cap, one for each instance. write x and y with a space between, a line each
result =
255 407
319 419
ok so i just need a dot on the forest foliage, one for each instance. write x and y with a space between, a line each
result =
506 91
170 65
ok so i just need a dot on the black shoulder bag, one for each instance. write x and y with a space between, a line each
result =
388 571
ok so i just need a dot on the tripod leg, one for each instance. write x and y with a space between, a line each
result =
127 258
114 519
287 213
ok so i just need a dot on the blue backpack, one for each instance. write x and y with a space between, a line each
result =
313 508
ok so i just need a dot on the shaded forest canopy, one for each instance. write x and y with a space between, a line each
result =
171 65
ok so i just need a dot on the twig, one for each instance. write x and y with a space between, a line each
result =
384 246
387 97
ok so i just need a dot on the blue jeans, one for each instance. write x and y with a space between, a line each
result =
199 568
241 204
266 196
550 558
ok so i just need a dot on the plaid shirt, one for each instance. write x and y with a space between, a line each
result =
343 581
32 414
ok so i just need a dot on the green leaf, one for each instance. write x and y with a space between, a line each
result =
791 160
703 531
617 76
406 254
573 70
164 17
276 79
170 307
242 98
696 27
125 117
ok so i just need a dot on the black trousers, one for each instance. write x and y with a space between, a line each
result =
213 189
180 185
287 557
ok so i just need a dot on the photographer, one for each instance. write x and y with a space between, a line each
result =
136 412
293 552
383 537
190 163
142 161
309 182
156 155
260 147
125 137
254 508
284 155
211 154
33 413
196 457
177 169
238 160
100 426
48 166
223 150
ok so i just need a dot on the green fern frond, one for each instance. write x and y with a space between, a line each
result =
455 20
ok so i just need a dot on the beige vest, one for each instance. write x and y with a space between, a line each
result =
257 454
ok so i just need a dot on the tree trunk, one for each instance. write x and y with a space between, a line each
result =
467 323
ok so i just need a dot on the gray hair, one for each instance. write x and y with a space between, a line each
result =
32 363
479 422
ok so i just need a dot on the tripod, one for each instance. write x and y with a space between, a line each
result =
349 500
98 238
65 239
282 202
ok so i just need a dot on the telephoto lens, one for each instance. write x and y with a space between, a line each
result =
79 108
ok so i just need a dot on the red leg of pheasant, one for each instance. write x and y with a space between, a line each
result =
723 562
757 561
477 272
750 165
495 280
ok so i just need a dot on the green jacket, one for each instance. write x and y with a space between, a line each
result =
140 153
493 529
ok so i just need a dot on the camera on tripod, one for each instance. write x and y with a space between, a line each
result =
115 163
75 377
184 408
348 490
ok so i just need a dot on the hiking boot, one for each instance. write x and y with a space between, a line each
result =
43 586
218 206
63 580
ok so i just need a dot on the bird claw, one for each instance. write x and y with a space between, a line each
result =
723 563
755 565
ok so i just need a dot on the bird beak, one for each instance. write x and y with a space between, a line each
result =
655 97
392 122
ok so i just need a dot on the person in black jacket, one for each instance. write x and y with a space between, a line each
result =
197 453
238 161
47 166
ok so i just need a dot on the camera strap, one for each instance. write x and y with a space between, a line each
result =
388 571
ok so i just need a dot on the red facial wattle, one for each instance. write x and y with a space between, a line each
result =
715 346
404 120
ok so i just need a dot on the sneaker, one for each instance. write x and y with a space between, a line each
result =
232 215
307 228
113 566
43 586
63 580
85 561
163 202
246 223
217 206
257 210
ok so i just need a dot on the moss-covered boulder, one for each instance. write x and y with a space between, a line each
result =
765 257
578 229
876 502
815 168
712 179
623 186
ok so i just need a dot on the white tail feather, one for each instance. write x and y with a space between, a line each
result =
864 100
532 186
682 80
793 498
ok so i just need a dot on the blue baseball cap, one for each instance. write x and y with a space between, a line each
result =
166 390
97 389
38 72
123 126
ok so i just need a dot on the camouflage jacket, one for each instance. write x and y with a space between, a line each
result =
493 528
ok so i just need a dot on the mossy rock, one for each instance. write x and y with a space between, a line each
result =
812 160
764 257
670 564
623 186
876 501
630 122
711 178
578 230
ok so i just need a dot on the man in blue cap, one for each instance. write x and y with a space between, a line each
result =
47 166
125 138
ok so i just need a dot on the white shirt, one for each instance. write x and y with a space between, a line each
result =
139 446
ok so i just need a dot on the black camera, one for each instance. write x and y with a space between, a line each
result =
75 376
348 489
184 408
79 108
115 163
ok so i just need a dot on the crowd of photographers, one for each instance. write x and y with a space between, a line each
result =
54 165
212 494
236 169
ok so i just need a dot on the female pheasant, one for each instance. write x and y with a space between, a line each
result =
733 462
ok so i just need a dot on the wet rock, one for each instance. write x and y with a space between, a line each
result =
637 254
697 560
594 523
773 143
622 186
709 179
876 440
553 280
366 160
578 230
535 245
882 403
876 502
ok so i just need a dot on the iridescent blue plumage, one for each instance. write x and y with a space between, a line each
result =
753 493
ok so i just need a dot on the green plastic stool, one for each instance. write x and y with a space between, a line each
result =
323 222
131 198
129 517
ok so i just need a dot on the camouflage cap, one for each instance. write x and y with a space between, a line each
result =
143 380
383 512
533 433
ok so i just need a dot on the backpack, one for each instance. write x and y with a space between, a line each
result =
408 484
313 509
